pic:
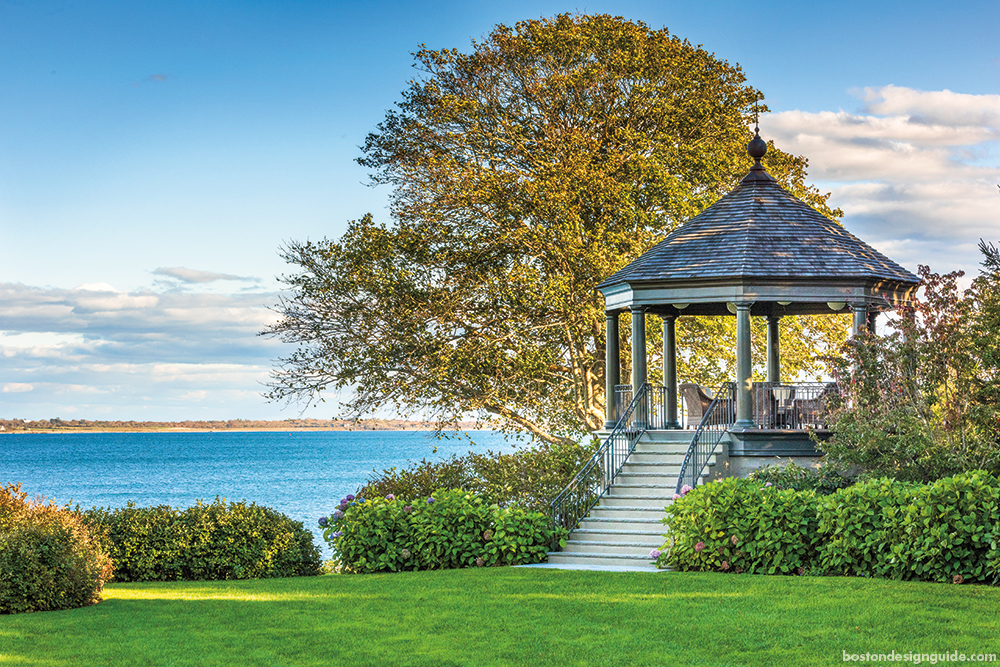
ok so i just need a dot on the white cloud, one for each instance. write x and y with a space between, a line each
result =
145 354
915 171
194 276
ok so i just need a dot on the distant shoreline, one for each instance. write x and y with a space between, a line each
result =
11 426
209 430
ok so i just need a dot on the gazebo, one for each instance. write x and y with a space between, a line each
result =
757 252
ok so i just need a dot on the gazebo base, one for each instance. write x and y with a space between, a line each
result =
743 451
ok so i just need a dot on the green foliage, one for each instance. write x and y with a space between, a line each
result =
523 173
945 531
527 478
860 527
824 480
923 403
738 525
49 559
948 530
450 529
213 541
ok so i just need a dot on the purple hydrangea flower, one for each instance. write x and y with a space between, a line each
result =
430 500
360 499
768 484
322 522
654 554
338 534
337 514
350 497
408 508
390 497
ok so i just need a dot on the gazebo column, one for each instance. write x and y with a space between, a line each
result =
773 350
638 361
613 369
670 370
860 321
872 316
744 367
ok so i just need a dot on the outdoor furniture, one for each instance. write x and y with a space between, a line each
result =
810 412
696 401
781 401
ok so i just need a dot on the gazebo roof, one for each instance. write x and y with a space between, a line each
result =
760 242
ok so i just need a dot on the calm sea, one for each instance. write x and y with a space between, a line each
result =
302 474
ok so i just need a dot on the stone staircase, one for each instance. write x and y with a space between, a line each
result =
624 526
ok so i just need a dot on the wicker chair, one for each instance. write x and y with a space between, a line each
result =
696 401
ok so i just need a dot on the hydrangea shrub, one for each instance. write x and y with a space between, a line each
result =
740 525
449 529
945 531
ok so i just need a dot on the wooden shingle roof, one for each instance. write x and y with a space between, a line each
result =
760 231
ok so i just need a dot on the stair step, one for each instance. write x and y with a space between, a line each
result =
614 534
603 548
663 491
575 558
650 522
649 513
672 458
657 502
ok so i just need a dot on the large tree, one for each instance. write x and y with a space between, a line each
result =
522 174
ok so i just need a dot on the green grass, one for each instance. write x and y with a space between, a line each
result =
505 616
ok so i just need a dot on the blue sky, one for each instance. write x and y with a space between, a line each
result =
154 156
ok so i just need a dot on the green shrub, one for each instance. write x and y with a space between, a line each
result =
951 530
448 529
860 528
213 541
824 480
528 478
948 530
738 525
49 559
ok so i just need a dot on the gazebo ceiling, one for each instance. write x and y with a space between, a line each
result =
758 243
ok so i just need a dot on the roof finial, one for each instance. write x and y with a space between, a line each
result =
757 147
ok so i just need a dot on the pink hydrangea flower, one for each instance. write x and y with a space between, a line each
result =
725 565
654 554
734 540
677 496
699 547
686 489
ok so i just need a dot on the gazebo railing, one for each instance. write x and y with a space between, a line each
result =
718 418
595 478
797 406
656 410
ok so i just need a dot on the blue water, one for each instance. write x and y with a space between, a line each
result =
302 474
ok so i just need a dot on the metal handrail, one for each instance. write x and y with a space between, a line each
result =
718 418
595 478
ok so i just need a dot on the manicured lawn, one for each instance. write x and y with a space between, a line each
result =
505 616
